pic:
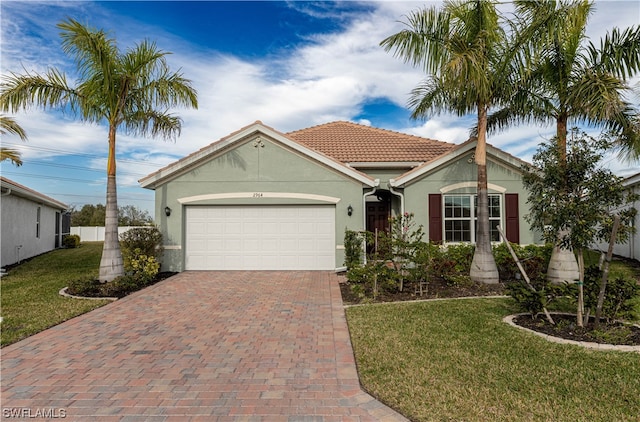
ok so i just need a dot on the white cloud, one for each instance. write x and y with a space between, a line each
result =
329 77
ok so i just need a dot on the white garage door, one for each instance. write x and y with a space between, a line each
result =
260 238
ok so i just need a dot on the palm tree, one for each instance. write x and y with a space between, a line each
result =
129 90
9 125
564 79
463 49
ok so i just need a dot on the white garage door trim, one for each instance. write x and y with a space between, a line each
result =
245 237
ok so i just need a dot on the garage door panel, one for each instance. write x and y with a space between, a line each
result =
260 238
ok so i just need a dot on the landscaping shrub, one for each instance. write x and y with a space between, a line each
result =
461 255
144 267
119 287
534 260
352 248
124 285
71 241
618 298
138 242
372 278
533 302
87 286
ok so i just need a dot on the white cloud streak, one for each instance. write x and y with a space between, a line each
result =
331 76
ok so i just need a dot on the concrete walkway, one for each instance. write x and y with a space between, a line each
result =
226 346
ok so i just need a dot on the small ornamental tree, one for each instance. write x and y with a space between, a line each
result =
578 200
404 239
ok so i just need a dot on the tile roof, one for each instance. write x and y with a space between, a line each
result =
350 142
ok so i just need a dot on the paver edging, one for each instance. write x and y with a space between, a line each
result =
588 345
63 292
437 299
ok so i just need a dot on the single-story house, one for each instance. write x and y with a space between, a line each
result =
630 249
260 199
31 223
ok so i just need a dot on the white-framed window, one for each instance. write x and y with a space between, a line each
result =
460 217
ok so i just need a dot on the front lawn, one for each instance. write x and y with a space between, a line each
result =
30 300
457 360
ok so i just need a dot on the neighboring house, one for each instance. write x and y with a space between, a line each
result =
630 249
262 199
31 223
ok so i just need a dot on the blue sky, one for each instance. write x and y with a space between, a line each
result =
289 64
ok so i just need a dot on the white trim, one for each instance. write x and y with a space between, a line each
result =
419 171
463 149
16 189
255 130
461 185
257 196
472 218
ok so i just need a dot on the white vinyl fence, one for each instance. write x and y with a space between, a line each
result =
96 234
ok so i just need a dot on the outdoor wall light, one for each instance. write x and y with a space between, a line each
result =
349 210
167 211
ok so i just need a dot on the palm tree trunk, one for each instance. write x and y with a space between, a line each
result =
561 133
483 266
563 266
111 263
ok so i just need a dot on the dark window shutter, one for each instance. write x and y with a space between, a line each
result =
512 217
435 217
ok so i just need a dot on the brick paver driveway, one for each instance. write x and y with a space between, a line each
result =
263 346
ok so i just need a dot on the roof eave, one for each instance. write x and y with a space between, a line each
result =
462 149
24 192
167 173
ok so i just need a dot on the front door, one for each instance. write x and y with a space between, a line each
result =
378 214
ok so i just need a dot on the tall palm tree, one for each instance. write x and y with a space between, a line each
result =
463 49
129 90
9 125
564 79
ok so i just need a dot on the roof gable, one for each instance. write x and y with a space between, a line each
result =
456 152
236 138
353 143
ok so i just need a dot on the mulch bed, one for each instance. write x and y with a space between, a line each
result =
438 288
566 327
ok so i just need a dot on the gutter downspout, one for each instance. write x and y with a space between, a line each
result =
401 195
7 193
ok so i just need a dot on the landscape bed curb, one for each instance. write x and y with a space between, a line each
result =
589 345
63 292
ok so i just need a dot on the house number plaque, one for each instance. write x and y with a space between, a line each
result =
258 194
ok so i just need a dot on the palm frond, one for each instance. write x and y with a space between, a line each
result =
619 52
423 43
155 123
11 154
95 54
9 125
47 91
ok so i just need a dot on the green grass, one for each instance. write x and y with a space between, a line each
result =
29 293
456 360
